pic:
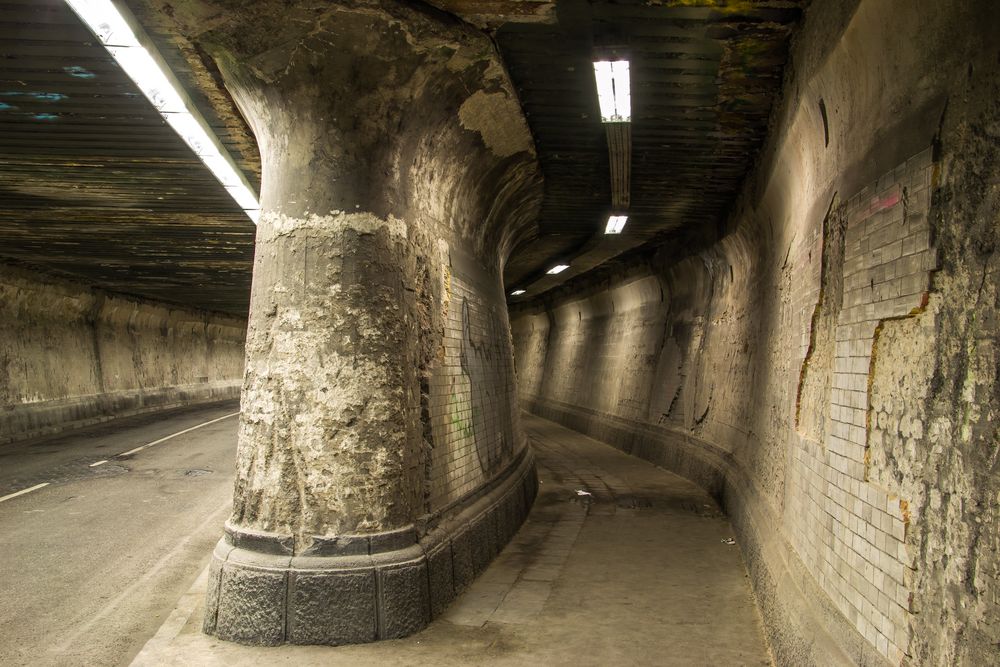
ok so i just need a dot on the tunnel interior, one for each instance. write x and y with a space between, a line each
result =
798 316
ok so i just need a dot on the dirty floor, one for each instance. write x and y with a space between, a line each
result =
638 572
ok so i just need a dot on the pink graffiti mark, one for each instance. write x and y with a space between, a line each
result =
886 201
866 208
877 204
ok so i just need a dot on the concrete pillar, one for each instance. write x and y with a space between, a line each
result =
330 439
370 170
330 461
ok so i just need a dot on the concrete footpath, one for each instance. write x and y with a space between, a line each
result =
619 563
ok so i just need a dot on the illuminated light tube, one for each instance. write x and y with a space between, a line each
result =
242 195
558 268
117 36
105 21
146 74
613 92
517 292
616 223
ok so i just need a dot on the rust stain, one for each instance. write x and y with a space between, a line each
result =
904 510
493 13
724 6
817 310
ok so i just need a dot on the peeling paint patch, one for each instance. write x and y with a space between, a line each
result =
41 97
497 117
48 97
494 13
79 72
463 58
722 6
279 224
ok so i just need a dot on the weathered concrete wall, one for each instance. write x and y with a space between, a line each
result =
829 368
70 355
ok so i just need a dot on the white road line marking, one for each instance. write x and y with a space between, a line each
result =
23 491
152 653
174 435
142 583
99 463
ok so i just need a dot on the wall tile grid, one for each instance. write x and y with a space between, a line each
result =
850 533
475 421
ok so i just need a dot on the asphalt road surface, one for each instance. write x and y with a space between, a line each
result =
93 556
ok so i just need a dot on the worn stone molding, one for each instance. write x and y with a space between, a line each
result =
341 545
801 622
350 589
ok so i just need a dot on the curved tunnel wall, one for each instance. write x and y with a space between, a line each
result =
70 355
827 369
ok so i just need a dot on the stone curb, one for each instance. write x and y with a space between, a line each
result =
353 589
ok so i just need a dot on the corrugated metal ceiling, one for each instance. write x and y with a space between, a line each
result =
95 186
705 74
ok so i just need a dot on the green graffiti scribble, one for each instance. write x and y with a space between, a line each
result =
458 422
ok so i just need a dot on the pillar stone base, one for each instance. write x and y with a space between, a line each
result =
352 589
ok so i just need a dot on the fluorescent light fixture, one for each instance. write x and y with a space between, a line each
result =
105 21
615 224
517 292
613 92
223 171
243 196
117 36
193 134
558 268
153 83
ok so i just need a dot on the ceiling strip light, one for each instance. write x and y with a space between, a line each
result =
613 93
615 224
558 268
517 292
121 41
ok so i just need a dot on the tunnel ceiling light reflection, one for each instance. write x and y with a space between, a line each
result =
121 41
613 92
616 223
558 268
517 292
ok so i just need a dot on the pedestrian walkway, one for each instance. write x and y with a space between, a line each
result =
619 563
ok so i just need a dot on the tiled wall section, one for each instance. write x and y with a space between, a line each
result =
720 356
473 394
850 533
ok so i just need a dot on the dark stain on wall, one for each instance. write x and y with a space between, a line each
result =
485 364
